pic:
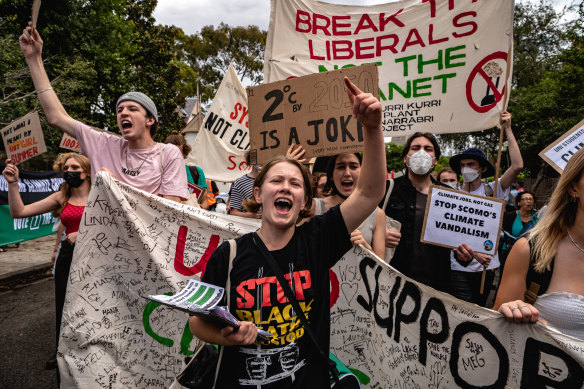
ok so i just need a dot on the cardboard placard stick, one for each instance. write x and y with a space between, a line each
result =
36 6
501 134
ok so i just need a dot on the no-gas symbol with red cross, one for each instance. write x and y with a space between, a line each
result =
487 77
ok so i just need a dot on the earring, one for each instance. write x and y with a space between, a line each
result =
573 199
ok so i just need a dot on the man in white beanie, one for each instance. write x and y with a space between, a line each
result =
135 158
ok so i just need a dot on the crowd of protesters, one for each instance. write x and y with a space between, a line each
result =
343 206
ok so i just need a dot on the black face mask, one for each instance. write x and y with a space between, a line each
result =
73 179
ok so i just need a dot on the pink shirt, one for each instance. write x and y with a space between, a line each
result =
112 152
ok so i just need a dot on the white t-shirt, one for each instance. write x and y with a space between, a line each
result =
474 265
161 168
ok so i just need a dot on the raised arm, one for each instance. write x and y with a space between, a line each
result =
15 204
514 154
31 45
371 184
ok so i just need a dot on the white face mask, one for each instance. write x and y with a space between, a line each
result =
420 163
453 185
469 175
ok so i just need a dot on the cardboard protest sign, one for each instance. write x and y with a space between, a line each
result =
196 190
220 146
444 66
313 111
390 330
23 138
561 150
454 217
36 6
70 143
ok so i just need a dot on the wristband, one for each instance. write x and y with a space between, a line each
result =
38 92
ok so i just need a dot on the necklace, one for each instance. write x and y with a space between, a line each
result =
126 170
575 244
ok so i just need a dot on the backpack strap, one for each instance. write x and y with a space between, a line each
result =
232 253
536 283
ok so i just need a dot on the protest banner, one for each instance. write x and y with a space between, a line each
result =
389 330
454 217
33 186
442 65
223 138
313 111
561 150
70 143
23 138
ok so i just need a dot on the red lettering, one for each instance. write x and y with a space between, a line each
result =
411 42
233 115
324 27
246 300
359 48
392 18
473 26
391 47
244 166
179 256
337 25
365 23
244 113
231 159
431 39
338 49
432 7
312 56
335 289
300 21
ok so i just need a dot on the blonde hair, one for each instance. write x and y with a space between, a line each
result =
558 217
58 166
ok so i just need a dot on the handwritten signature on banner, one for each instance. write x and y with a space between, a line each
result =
390 330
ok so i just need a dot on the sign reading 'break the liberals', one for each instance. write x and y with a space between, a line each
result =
444 66
313 111
453 217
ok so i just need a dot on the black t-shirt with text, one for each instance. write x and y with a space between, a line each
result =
289 359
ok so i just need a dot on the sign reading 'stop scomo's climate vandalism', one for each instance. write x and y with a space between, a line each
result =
443 65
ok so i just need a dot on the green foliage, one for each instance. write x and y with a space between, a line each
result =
210 51
93 52
393 154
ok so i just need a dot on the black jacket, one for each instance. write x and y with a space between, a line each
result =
433 271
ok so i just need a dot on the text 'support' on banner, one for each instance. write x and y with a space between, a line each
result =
223 138
454 217
444 66
313 111
391 330
562 149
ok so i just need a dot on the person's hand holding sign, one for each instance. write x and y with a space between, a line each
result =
366 108
483 259
10 172
392 238
31 43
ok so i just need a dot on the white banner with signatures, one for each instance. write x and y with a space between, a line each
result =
391 331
